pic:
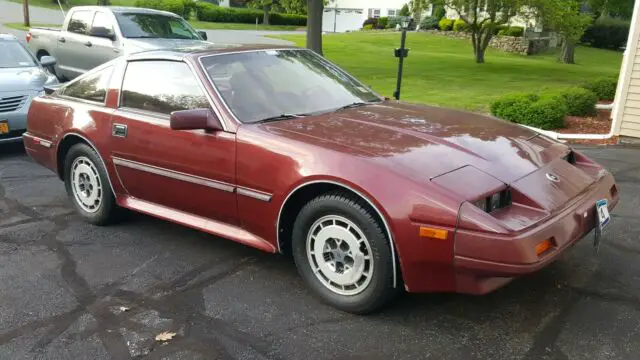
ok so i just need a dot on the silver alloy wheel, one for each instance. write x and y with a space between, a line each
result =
340 255
85 184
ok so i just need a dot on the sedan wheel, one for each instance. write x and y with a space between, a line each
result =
340 255
88 186
343 253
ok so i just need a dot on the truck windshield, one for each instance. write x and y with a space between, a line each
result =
13 55
140 25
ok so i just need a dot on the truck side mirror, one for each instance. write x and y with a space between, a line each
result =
203 34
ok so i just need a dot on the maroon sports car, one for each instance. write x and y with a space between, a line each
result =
279 149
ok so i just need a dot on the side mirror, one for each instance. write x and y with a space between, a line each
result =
50 89
203 34
196 119
47 61
103 33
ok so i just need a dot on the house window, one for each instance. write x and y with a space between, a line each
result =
392 12
374 13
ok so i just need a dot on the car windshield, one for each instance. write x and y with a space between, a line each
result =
13 55
271 85
140 25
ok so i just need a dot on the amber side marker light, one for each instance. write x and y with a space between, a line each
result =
433 233
543 247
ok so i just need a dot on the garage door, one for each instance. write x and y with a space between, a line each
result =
341 20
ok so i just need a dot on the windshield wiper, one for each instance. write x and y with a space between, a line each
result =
281 117
353 105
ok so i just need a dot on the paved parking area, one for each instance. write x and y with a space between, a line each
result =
69 290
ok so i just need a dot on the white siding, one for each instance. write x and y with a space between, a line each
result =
630 122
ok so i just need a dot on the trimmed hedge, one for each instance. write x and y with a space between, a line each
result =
429 23
579 101
445 24
382 22
460 25
213 13
604 88
607 33
174 6
542 111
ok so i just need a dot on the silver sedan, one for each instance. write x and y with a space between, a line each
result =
22 78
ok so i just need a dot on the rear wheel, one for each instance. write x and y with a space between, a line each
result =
87 185
343 254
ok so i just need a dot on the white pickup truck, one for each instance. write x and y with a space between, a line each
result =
93 35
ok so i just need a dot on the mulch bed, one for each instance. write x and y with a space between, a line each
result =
599 124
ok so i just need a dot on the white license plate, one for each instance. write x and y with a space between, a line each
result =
603 218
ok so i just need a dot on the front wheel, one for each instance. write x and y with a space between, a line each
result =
343 254
87 185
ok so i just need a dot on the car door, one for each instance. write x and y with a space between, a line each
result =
190 171
72 48
101 48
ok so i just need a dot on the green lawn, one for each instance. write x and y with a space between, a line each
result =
20 26
441 70
54 5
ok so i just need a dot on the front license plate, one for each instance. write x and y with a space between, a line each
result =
4 127
602 213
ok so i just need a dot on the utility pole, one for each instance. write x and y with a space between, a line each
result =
25 10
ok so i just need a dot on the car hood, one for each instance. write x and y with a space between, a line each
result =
24 79
424 141
135 45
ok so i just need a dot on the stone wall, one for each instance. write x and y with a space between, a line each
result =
518 45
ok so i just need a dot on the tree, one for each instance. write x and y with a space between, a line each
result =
25 11
404 11
566 18
417 7
265 5
612 8
483 16
315 11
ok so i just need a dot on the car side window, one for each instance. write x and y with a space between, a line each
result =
102 24
92 87
161 86
79 22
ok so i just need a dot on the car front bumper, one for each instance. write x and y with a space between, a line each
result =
481 275
16 119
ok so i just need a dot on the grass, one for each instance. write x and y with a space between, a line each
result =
441 71
20 26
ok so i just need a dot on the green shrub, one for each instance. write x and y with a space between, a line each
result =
579 101
460 25
516 31
189 8
542 111
174 6
439 12
213 13
382 22
393 21
604 88
607 33
371 21
429 23
445 24
367 27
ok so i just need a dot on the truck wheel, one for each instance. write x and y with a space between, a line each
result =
343 254
88 187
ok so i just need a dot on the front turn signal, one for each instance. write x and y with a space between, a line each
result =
543 247
433 233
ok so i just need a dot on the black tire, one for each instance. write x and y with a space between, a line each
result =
107 211
379 291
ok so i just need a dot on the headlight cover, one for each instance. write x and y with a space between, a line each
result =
494 201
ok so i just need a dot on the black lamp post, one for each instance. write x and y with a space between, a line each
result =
401 53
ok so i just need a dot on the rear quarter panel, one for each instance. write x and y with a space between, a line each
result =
44 39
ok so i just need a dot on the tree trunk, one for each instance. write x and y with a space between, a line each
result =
568 51
265 14
315 9
480 40
25 10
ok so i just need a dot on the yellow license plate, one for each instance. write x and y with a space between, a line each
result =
4 128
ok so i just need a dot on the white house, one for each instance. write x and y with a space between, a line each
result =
348 15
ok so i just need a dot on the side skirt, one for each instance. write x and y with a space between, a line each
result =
197 222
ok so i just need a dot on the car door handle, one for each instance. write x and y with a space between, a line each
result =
88 43
119 130
62 40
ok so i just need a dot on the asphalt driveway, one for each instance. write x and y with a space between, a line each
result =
69 290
